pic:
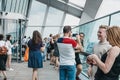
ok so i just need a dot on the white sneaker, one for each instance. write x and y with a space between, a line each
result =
10 69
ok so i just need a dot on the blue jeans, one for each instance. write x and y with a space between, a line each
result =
67 72
44 54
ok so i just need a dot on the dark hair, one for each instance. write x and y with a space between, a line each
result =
1 36
50 35
82 33
66 29
8 37
24 36
36 38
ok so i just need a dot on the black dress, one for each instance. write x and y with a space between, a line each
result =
113 74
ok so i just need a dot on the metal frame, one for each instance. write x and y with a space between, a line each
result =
45 19
109 15
63 6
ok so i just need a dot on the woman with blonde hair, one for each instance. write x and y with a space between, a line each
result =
109 65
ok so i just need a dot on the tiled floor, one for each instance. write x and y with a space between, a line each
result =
22 72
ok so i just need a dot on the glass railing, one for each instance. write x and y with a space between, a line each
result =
90 30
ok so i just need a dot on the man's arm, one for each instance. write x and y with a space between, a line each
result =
79 46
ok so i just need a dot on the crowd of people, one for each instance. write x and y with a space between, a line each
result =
64 54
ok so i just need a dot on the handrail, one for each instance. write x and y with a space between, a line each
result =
98 18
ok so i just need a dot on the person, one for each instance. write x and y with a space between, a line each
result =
35 58
82 35
28 39
109 65
45 51
66 46
56 51
99 49
50 40
9 53
3 58
24 45
77 58
52 58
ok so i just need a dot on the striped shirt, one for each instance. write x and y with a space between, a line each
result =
66 50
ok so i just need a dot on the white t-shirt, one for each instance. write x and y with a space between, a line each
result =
66 50
99 50
9 47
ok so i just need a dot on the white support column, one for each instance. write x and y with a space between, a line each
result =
90 10
62 22
45 19
1 27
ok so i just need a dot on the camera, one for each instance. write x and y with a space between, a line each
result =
74 36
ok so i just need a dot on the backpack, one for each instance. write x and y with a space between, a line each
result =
3 50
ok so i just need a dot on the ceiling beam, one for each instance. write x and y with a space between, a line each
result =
63 6
90 10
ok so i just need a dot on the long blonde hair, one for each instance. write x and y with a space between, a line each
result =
113 35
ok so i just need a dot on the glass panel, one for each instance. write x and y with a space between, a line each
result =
17 6
10 26
115 20
0 5
78 2
13 5
54 17
8 6
29 30
90 31
37 14
107 7
63 1
75 30
26 7
24 4
71 20
21 5
50 30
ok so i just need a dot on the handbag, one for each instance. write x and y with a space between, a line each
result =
26 55
3 50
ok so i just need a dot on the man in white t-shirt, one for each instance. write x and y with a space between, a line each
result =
66 47
99 49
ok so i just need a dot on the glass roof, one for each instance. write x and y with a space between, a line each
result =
107 7
80 3
37 14
54 17
71 20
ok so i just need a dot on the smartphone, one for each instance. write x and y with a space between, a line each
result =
85 53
